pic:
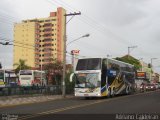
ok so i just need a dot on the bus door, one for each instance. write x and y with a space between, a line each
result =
104 78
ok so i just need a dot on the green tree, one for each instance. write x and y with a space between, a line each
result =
69 85
130 60
21 65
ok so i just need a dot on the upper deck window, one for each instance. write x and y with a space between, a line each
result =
89 64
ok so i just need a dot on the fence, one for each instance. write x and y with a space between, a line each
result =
51 90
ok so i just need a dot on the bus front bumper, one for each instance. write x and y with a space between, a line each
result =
87 95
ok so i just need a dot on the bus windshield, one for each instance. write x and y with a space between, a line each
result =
89 64
87 80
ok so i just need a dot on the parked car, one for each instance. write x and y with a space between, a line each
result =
150 87
157 85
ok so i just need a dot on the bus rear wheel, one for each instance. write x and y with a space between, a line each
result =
128 90
113 92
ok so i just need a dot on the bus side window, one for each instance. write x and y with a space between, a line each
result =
113 69
104 64
104 72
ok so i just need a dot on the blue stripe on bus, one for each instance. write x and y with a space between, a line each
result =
103 89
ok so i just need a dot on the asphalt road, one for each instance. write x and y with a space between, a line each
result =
77 108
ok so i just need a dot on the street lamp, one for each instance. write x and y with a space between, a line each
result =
74 52
151 67
64 61
130 47
86 35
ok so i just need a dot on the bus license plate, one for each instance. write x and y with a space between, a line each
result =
86 95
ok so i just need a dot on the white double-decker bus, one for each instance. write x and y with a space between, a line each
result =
97 77
29 78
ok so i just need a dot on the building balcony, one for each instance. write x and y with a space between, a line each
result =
37 32
47 32
37 52
47 42
37 56
46 45
48 55
48 37
37 37
37 42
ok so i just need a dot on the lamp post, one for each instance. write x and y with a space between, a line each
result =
130 47
86 35
64 52
151 68
64 62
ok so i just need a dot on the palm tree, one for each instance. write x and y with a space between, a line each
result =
21 66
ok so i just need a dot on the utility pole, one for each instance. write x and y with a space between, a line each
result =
64 53
151 68
130 48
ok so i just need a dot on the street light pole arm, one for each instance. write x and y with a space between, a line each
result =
130 48
87 35
74 41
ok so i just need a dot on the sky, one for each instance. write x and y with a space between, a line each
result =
113 25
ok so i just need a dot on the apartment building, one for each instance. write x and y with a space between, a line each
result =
40 41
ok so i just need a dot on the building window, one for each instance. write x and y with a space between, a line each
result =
47 20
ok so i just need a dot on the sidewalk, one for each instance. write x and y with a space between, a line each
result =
18 100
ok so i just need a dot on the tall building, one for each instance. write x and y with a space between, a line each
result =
40 41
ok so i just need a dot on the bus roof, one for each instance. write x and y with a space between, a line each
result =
111 60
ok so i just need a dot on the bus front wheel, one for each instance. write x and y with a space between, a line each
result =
127 90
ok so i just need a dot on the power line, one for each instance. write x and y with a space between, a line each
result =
8 40
86 19
91 22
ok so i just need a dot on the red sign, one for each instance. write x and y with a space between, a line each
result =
75 52
141 74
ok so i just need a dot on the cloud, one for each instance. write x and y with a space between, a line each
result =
113 24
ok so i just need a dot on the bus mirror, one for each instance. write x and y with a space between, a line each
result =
71 77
